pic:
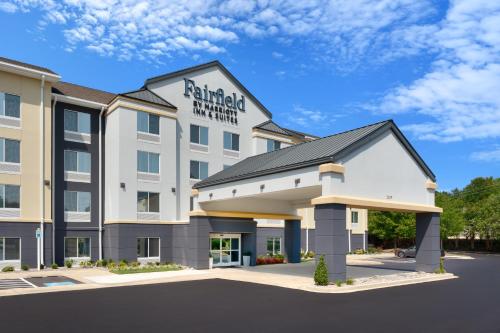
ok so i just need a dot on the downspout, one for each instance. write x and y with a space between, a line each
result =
100 182
42 169
52 181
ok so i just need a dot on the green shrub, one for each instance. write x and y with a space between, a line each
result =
441 269
123 263
111 265
54 266
25 267
135 264
321 273
311 254
349 282
8 269
338 283
101 263
145 269
68 263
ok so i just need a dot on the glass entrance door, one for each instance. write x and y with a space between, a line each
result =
225 249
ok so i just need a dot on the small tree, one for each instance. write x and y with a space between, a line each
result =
321 273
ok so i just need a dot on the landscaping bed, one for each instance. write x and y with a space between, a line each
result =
146 269
269 260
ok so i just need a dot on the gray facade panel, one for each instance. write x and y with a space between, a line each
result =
357 241
27 233
428 242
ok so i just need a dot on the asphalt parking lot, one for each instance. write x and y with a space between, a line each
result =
468 304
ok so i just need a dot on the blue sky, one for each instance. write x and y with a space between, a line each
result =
319 66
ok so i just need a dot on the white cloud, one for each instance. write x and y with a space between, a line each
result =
458 95
487 156
308 118
8 7
277 55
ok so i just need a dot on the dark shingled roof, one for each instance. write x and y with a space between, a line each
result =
324 150
147 95
81 92
214 63
23 64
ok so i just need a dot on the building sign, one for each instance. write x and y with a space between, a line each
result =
214 104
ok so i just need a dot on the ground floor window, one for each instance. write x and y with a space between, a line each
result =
10 248
77 247
148 247
273 245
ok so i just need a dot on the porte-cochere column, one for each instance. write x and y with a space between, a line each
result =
292 241
428 242
331 238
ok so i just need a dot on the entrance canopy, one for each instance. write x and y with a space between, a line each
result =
373 167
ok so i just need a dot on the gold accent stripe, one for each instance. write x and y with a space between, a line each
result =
431 185
331 167
22 220
383 205
246 215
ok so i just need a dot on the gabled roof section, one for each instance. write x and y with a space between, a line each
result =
271 126
324 150
81 92
147 95
214 63
29 66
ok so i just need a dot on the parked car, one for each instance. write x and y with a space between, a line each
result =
411 252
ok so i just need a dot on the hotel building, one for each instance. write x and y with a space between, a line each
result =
86 174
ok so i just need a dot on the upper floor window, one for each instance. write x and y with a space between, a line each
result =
9 150
10 105
10 196
77 161
76 201
148 202
199 135
198 170
148 123
354 218
273 145
148 162
226 166
231 141
78 122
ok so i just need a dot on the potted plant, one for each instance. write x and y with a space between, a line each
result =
210 260
246 258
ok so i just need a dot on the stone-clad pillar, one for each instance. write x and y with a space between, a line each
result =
331 238
292 241
428 242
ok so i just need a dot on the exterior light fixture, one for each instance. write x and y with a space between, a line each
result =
122 186
262 187
173 189
297 181
234 191
210 195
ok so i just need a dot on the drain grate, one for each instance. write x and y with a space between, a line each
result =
14 283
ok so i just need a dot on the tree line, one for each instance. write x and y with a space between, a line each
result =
472 212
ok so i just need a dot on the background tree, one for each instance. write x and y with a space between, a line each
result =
452 218
393 226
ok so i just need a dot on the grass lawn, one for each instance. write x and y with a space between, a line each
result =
146 269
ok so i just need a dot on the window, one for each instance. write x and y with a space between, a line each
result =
148 202
231 141
77 247
148 123
76 201
77 121
9 196
273 145
9 151
273 245
10 248
198 170
76 161
148 247
225 166
199 135
148 162
10 105
354 218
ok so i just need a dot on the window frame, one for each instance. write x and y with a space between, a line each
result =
78 130
4 151
199 130
273 142
77 202
148 123
274 240
3 197
148 248
232 136
354 213
149 153
199 169
78 257
3 105
148 211
78 161
2 258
